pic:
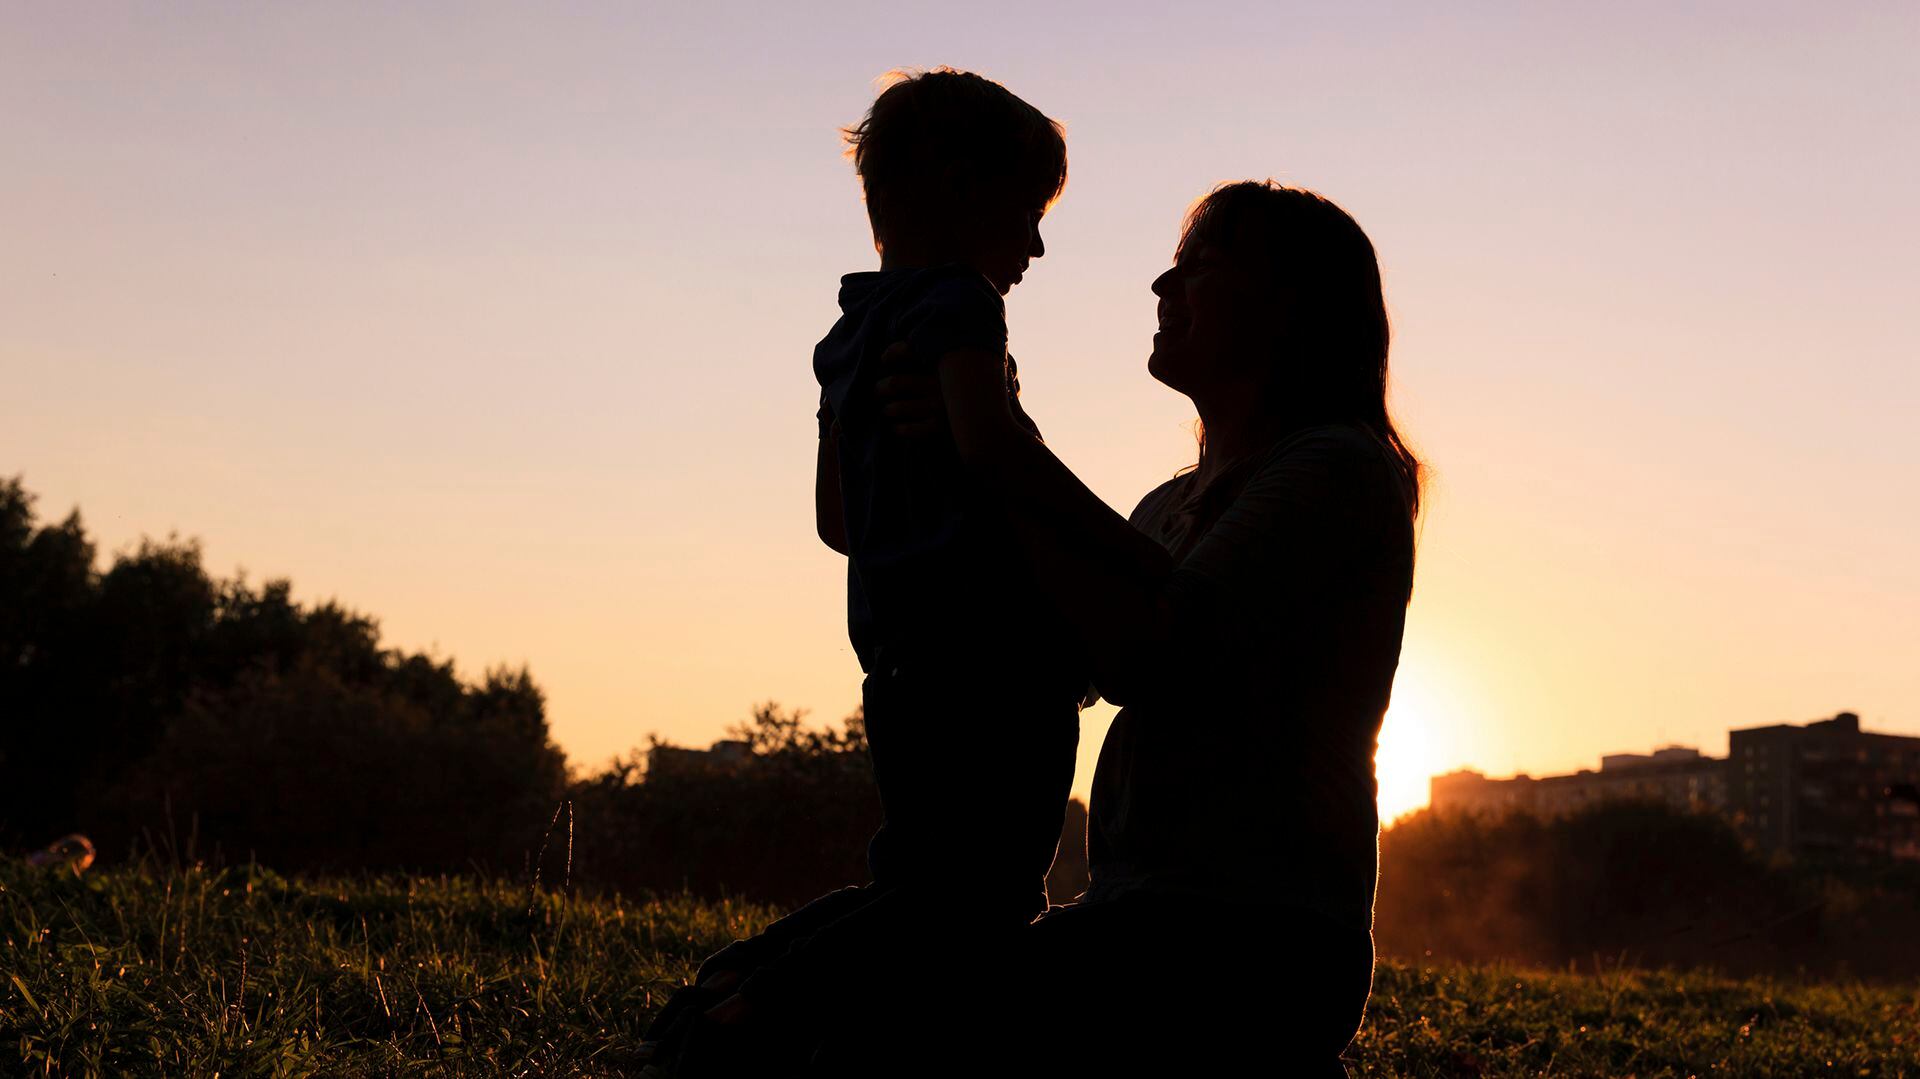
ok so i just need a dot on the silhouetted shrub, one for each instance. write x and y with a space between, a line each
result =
787 820
304 769
1635 883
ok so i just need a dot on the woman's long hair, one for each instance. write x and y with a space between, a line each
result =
1333 316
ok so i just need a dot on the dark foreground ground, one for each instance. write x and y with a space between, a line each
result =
244 973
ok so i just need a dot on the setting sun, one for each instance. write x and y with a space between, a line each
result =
1404 761
1420 738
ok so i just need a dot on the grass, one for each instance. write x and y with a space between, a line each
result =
241 972
1500 1021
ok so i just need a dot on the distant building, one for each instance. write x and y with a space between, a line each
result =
1676 775
1467 791
727 755
1826 789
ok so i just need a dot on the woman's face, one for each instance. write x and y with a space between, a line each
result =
1214 313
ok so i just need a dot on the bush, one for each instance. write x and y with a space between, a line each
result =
1628 883
302 769
786 823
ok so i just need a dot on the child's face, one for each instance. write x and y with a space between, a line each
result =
1002 239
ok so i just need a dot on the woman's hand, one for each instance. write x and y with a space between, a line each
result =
910 400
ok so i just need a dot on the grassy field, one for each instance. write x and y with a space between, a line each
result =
244 973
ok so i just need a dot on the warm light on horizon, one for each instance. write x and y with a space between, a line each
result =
1403 764
1414 746
497 328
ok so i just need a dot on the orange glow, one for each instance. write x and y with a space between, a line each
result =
1403 764
1429 729
499 331
1405 759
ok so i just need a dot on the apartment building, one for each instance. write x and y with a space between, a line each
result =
1826 789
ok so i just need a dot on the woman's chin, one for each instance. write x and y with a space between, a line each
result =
1162 367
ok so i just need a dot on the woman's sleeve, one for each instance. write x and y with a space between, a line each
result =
1320 518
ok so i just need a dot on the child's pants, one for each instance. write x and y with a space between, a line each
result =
973 781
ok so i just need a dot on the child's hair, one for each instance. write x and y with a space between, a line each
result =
925 124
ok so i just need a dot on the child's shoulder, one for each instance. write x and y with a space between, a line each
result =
948 307
950 287
920 290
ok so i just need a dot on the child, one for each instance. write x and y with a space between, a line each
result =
972 690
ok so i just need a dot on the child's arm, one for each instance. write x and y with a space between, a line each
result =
828 519
1103 574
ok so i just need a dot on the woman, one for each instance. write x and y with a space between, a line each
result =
1233 833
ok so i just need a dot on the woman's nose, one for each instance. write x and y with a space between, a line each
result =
1163 285
1039 246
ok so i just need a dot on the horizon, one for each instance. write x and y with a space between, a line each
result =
104 560
495 328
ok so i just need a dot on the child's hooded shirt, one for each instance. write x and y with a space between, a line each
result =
934 577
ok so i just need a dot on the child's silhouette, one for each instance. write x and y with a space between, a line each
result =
972 690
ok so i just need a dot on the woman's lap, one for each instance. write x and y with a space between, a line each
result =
1185 981
1139 985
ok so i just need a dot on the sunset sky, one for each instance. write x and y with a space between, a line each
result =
494 321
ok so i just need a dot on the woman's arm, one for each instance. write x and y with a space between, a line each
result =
1320 519
1103 575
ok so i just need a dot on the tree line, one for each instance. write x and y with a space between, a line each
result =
155 707
151 700
1638 884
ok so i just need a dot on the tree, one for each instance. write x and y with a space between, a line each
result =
153 692
305 769
47 612
1642 880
